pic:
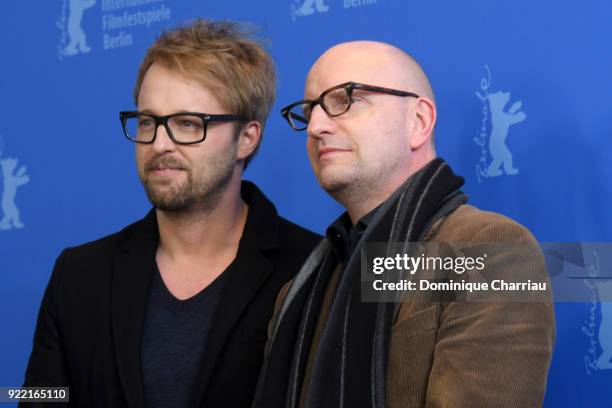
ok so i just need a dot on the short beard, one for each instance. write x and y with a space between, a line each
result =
192 196
348 194
351 193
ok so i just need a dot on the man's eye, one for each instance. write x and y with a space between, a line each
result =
188 124
341 100
145 123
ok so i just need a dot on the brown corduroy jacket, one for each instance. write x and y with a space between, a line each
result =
465 354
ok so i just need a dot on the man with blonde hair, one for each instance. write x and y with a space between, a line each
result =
172 310
369 114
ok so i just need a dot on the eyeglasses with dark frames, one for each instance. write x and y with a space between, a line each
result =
182 127
335 101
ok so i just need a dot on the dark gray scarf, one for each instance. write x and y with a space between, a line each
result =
350 365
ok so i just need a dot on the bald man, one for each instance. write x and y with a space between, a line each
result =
369 112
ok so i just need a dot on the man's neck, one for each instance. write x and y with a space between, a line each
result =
364 199
195 248
204 232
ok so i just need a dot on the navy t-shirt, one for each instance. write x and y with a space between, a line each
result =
173 341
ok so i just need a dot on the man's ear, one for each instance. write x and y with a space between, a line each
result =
248 139
425 113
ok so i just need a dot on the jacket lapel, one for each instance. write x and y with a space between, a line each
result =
236 296
133 269
253 266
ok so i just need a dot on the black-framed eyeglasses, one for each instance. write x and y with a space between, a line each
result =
335 101
182 127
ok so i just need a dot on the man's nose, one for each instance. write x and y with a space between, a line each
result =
162 142
319 123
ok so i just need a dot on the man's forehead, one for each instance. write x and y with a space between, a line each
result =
366 65
168 89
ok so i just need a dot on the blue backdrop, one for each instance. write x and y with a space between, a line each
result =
539 70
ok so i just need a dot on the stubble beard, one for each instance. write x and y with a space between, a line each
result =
342 186
191 195
353 186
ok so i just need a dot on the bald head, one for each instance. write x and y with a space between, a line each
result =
363 154
369 62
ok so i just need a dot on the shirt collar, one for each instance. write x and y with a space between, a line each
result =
344 236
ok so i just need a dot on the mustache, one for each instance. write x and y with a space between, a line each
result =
165 161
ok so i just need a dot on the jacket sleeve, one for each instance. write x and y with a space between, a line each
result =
495 353
464 354
47 367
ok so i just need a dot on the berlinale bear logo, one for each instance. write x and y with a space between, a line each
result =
73 40
11 181
494 110
308 7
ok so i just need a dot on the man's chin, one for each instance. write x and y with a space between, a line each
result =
166 198
171 204
333 185
332 178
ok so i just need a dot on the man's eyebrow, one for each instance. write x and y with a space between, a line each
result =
153 111
363 92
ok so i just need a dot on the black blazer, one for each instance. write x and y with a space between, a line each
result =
90 323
